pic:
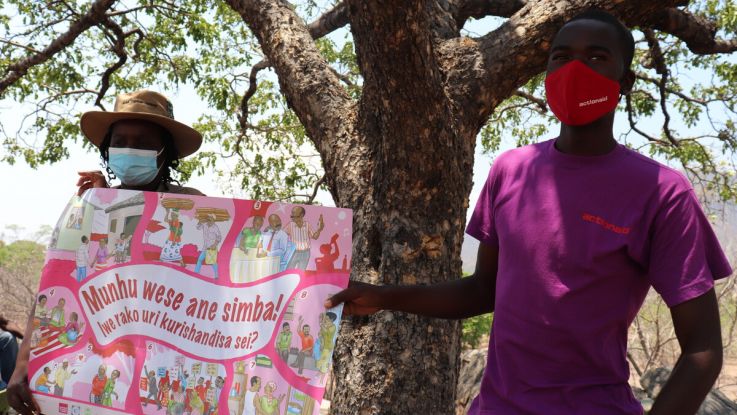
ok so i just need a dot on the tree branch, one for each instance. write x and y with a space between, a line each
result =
541 104
311 198
118 48
252 86
633 123
699 33
661 67
19 45
311 88
94 16
329 22
478 9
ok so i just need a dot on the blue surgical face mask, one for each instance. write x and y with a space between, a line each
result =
134 167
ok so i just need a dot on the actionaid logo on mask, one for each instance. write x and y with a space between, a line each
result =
593 101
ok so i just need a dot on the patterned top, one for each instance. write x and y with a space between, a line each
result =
300 235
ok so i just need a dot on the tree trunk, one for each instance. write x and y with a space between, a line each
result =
395 363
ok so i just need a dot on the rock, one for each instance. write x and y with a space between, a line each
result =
469 379
653 380
714 404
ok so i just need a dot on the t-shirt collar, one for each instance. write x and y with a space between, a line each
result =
572 160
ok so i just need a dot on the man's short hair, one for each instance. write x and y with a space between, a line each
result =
624 34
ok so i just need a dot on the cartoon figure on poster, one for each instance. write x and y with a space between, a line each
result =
258 388
100 260
250 236
59 327
172 251
172 383
308 349
260 251
83 259
330 253
100 237
301 233
121 248
96 376
189 230
211 238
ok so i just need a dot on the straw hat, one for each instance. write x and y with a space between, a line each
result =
142 105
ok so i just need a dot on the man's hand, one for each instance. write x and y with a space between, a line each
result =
697 327
90 179
360 299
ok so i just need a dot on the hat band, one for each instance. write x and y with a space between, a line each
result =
132 101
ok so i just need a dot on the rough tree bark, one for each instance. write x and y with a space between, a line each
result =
401 156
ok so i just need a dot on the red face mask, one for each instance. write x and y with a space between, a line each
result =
578 95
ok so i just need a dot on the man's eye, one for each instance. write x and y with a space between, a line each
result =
560 57
598 58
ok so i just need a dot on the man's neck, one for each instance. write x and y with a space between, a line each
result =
592 139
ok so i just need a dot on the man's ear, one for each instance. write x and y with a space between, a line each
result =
628 80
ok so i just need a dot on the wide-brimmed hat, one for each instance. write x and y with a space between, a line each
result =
142 105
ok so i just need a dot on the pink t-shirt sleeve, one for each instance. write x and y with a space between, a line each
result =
481 225
685 255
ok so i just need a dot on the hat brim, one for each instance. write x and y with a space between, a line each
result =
95 124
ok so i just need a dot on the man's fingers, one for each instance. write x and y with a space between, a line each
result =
342 297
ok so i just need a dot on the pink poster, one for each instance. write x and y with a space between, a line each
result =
154 303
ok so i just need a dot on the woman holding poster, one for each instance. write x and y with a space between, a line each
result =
140 144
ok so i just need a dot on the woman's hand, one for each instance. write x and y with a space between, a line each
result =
90 179
19 392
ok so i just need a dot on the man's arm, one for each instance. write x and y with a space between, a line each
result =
462 298
697 326
320 226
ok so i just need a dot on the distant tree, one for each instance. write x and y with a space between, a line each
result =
20 269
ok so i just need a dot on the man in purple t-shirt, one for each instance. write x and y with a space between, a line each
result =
574 231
